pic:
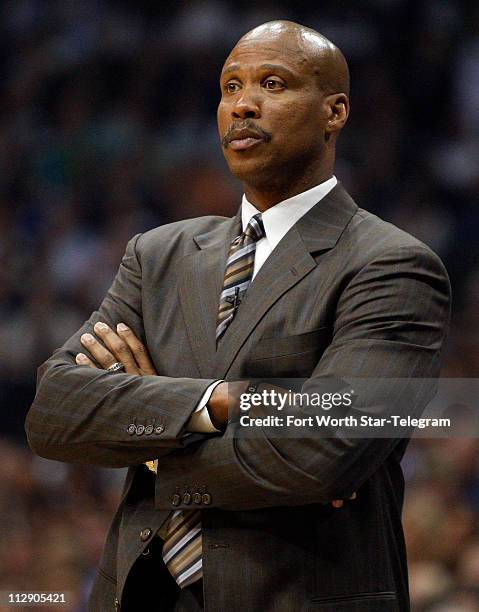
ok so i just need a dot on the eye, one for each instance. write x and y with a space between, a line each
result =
273 84
231 87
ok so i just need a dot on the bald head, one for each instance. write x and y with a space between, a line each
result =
325 58
284 101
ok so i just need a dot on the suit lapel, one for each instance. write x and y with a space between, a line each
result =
201 272
318 230
285 267
200 281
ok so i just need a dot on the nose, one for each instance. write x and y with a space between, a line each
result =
246 107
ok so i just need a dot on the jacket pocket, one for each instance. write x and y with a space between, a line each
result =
270 348
384 601
288 356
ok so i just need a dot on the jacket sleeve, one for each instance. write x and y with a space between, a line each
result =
82 415
391 321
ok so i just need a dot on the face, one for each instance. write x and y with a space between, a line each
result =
272 116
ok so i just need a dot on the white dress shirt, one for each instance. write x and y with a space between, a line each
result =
277 221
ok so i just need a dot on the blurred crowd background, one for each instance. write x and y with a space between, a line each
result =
107 128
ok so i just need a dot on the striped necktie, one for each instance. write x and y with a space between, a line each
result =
182 548
238 273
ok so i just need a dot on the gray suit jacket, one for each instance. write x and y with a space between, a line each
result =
344 294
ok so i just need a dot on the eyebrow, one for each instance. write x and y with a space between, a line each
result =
272 67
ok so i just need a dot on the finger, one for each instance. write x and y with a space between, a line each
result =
337 503
353 496
117 346
97 351
83 360
137 347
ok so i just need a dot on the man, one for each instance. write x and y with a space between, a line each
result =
300 283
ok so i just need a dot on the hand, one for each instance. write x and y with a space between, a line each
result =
224 401
122 346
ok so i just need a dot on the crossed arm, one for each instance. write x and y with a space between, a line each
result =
121 345
391 320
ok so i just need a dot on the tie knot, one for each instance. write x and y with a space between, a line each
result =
255 228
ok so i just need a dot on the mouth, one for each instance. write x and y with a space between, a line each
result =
240 144
240 140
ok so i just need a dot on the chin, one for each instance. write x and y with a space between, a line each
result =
250 170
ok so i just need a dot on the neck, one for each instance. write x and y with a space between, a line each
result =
265 196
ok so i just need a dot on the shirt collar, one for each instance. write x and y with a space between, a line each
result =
281 217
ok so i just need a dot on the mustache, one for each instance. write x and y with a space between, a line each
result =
248 124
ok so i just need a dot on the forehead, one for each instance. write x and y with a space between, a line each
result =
288 51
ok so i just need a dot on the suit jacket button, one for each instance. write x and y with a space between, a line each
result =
131 429
206 497
159 429
187 498
117 605
145 534
140 429
175 500
197 498
149 429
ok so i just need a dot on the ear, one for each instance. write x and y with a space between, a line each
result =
337 112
